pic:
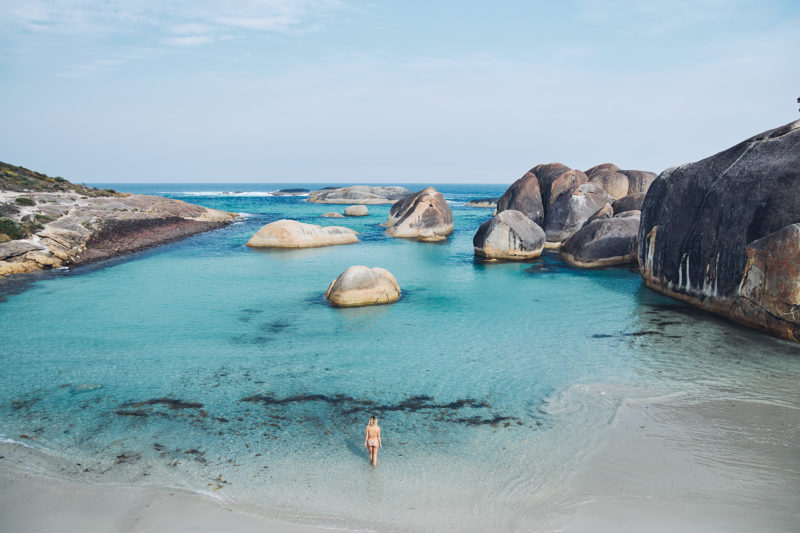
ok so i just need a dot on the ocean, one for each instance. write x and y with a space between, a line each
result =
511 396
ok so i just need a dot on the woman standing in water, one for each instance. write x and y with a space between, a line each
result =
372 440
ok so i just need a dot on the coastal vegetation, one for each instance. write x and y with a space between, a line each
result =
14 178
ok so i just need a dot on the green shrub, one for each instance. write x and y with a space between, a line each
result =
11 228
24 200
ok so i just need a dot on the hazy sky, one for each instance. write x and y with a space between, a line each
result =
386 91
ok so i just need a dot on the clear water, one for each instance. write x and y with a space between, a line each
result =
217 368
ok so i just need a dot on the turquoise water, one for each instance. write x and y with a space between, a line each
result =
217 368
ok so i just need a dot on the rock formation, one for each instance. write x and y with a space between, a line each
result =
58 229
524 196
483 202
604 242
356 211
572 210
332 214
629 203
567 181
293 234
358 194
613 182
639 180
509 235
361 285
722 233
424 216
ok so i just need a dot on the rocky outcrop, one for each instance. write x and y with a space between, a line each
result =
631 202
567 181
602 166
483 202
572 210
293 234
613 182
639 181
511 236
524 196
722 234
359 194
70 229
547 174
604 242
361 285
291 192
424 216
356 211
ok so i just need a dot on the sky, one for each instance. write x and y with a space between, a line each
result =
386 91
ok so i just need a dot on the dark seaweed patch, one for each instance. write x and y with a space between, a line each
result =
349 405
140 413
601 336
641 333
172 403
252 311
23 404
276 326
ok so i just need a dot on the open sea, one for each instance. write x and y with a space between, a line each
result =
503 389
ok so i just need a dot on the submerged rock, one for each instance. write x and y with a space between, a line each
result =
424 216
359 194
360 285
293 234
525 196
509 235
572 210
332 214
721 233
356 211
604 242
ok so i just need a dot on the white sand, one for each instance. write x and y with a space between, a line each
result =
33 502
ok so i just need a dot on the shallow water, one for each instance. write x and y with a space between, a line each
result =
210 366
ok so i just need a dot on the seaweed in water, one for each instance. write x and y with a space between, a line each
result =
172 403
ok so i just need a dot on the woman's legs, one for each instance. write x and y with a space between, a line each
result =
373 455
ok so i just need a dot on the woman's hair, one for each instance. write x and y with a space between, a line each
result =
373 421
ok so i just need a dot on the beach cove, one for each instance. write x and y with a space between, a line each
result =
513 396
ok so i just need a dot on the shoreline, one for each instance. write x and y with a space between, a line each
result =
670 463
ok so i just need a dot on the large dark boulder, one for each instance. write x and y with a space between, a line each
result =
424 216
629 203
566 181
547 174
524 196
572 209
603 242
509 235
721 233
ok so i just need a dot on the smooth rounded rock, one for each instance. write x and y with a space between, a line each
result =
630 202
603 242
639 180
293 234
360 285
332 214
510 235
613 182
572 210
424 216
602 166
525 196
566 181
356 211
